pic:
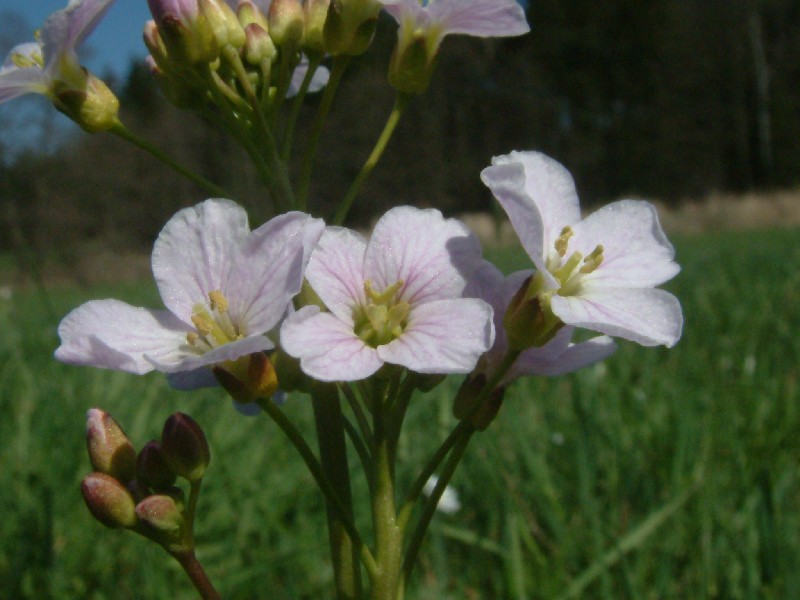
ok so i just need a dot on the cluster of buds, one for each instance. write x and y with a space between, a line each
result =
138 491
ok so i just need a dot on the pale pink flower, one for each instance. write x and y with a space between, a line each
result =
395 299
597 273
35 67
225 287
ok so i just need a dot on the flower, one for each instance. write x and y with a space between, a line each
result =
598 273
423 26
50 67
395 299
448 503
224 287
557 357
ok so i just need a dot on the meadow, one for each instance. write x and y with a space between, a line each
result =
658 474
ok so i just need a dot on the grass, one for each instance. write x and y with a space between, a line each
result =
658 474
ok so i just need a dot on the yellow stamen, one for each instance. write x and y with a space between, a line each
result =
202 323
383 297
192 338
218 301
593 260
563 241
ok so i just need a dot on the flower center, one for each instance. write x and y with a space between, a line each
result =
383 318
569 270
24 61
213 324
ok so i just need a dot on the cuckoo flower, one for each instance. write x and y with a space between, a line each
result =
423 26
556 357
598 273
394 299
39 67
224 287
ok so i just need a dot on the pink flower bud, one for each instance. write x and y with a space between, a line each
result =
184 447
161 513
108 500
110 450
286 23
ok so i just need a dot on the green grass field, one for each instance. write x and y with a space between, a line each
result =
659 474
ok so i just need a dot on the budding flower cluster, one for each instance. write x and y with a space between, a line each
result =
138 492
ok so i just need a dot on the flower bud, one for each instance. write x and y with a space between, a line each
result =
110 450
350 26
91 105
186 32
258 45
248 13
184 447
250 378
286 23
315 13
161 513
469 393
108 500
152 469
412 63
223 23
529 321
175 89
154 43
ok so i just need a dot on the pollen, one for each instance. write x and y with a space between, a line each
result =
563 241
593 260
218 301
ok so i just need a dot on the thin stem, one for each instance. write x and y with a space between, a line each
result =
120 130
361 449
338 68
297 104
355 406
191 509
197 575
400 104
333 455
325 486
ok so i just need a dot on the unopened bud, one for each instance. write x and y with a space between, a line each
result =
412 63
315 13
110 450
223 23
91 105
529 321
350 26
469 394
250 378
161 513
184 447
108 500
248 13
258 45
152 469
186 32
286 23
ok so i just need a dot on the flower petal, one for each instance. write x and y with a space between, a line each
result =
336 271
195 252
318 80
65 30
433 256
327 347
554 358
443 336
482 18
636 252
267 270
189 361
15 82
114 335
649 317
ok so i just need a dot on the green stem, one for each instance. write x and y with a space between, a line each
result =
333 455
120 130
324 484
400 104
338 68
297 104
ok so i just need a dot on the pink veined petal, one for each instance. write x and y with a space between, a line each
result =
65 30
114 335
482 18
410 11
507 182
186 361
336 271
195 252
433 256
650 317
328 349
443 336
539 361
636 252
267 270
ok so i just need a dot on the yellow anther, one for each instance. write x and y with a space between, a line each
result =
202 323
396 318
192 338
218 301
383 297
593 260
23 61
563 240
